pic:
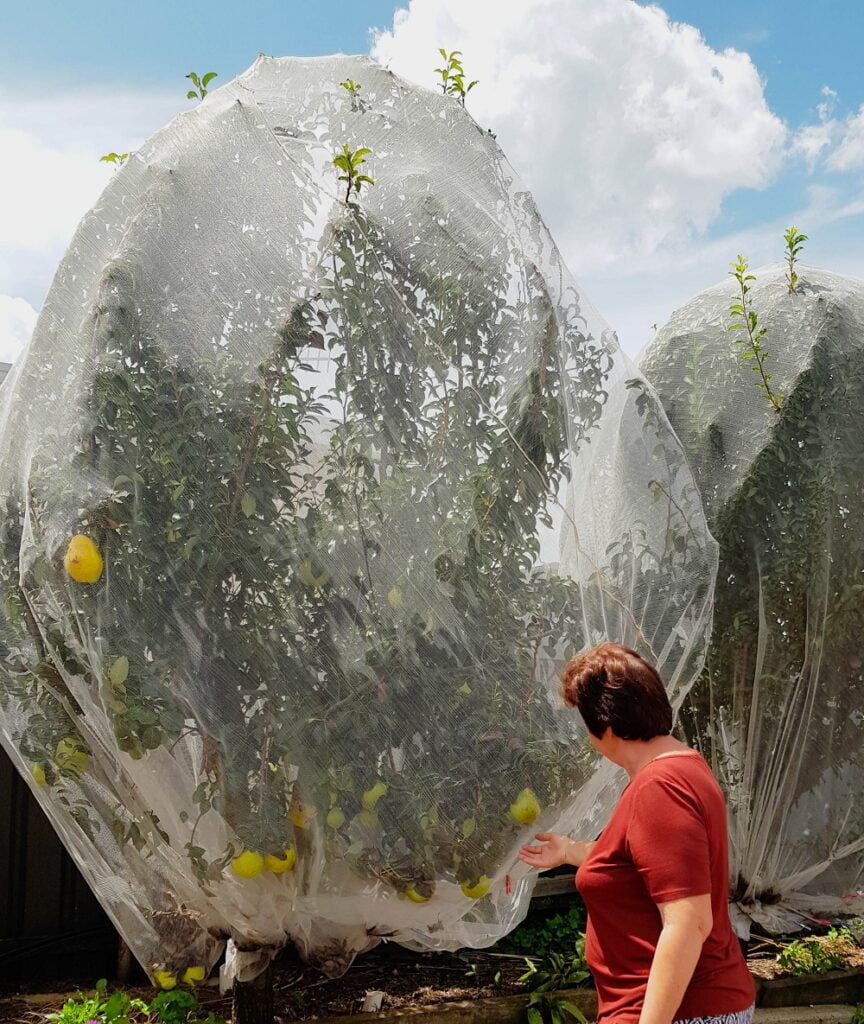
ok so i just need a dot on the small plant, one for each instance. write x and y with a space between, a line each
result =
817 955
115 158
200 90
116 1008
453 75
794 245
353 90
858 1015
745 320
556 972
351 162
177 1006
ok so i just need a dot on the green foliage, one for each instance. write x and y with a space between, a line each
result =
350 163
858 1014
745 320
200 90
118 159
817 955
178 1006
453 75
556 933
794 244
353 89
557 971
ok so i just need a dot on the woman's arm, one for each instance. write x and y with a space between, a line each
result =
557 850
686 925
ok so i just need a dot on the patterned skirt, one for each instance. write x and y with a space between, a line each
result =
742 1017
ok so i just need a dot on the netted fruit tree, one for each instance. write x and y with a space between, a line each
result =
285 472
779 709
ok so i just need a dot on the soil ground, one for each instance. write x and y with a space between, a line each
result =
406 978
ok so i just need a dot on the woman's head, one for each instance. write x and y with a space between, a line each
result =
614 687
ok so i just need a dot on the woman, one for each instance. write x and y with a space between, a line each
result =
659 942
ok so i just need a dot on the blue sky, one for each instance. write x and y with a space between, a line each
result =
79 79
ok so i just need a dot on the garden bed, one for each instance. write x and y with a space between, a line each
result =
471 987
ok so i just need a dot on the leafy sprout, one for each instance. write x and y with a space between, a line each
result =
200 90
794 244
745 320
350 163
118 159
453 75
353 89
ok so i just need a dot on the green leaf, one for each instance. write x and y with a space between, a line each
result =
248 504
208 77
469 827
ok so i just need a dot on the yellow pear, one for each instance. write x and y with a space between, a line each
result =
279 865
478 890
371 797
525 807
82 560
165 979
368 819
394 597
249 864
39 774
336 817
307 576
194 975
416 897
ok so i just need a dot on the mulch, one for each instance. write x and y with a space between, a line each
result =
301 993
408 979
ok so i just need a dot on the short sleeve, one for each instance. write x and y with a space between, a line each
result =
667 838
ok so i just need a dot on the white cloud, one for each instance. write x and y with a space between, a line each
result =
628 128
50 174
17 320
849 154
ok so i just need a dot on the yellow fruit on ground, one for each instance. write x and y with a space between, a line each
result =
336 818
279 865
394 597
71 757
248 865
526 807
39 775
307 576
82 560
194 975
302 814
165 979
478 889
371 797
368 819
415 897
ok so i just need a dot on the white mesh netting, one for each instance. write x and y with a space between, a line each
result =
779 709
327 453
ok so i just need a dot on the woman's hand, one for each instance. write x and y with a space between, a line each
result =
557 850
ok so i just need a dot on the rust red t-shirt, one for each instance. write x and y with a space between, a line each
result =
666 840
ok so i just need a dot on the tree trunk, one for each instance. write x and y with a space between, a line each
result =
253 1000
125 962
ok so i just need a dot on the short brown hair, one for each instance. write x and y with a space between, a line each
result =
614 686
